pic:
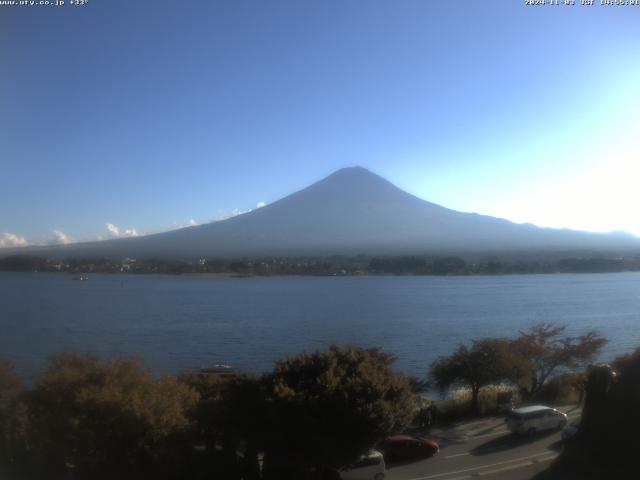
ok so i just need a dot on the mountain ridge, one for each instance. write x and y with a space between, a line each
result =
350 211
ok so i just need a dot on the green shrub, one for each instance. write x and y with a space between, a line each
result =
106 420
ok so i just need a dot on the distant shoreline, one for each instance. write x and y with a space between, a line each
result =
302 275
339 266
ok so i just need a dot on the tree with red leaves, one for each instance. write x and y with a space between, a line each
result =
547 349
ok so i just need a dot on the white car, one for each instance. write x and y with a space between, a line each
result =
536 418
368 467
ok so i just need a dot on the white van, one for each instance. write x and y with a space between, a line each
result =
536 418
369 467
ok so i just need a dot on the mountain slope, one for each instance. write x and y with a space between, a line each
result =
349 212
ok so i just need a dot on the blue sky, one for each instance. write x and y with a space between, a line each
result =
151 115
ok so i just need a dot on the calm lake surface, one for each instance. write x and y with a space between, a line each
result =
179 322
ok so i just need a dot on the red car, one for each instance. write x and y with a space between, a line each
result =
406 447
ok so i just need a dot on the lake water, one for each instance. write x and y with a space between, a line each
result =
179 322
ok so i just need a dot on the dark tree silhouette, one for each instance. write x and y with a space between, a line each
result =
486 362
330 407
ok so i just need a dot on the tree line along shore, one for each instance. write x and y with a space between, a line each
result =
338 265
85 418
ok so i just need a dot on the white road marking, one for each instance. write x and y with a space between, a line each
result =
481 467
458 455
520 465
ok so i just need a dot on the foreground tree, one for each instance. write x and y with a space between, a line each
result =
107 421
546 349
230 414
627 361
606 445
11 414
10 387
487 362
327 408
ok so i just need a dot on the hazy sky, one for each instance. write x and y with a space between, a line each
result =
125 117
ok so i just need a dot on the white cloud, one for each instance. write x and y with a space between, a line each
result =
12 240
239 211
114 232
192 222
61 238
235 212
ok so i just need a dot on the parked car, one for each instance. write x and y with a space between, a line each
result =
569 432
536 418
408 447
368 467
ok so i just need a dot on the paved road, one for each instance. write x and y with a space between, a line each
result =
484 448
